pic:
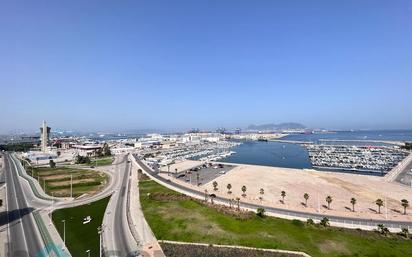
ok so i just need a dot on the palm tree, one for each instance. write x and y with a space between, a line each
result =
353 202
215 185
229 186
244 191
261 192
405 204
283 194
329 200
306 196
379 203
238 203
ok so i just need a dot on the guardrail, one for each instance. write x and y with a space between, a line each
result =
28 178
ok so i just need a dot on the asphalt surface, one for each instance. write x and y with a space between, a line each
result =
24 237
405 177
117 237
297 214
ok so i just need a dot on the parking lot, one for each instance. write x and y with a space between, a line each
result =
204 173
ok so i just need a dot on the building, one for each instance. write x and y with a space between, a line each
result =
44 136
87 150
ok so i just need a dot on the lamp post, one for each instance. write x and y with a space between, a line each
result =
100 231
64 231
88 253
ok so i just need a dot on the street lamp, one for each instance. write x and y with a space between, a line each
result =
100 231
88 253
64 231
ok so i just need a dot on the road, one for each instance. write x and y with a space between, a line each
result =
277 211
26 202
24 236
117 237
405 176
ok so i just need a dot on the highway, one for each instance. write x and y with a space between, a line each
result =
24 236
277 211
117 237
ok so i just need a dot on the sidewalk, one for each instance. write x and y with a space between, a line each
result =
140 228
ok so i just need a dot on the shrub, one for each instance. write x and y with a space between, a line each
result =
310 222
324 222
383 230
297 223
260 212
404 232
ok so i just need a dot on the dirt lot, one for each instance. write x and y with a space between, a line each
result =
295 182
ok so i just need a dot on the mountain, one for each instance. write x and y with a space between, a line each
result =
280 126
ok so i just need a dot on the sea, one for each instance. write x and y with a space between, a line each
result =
278 154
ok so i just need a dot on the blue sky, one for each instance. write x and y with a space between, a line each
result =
119 65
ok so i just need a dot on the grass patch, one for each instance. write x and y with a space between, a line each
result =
104 161
190 221
56 181
79 237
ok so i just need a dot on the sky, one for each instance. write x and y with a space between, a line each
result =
171 65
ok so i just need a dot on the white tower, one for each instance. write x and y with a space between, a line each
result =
45 134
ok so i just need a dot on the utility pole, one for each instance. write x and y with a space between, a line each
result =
71 185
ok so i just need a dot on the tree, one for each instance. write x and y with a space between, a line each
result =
405 204
52 164
306 196
261 192
283 194
106 150
379 203
260 212
82 159
215 185
244 191
353 202
212 198
324 222
329 200
238 203
229 186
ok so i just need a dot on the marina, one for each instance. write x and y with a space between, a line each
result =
372 159
203 152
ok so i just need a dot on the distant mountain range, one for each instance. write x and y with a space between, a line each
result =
280 126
